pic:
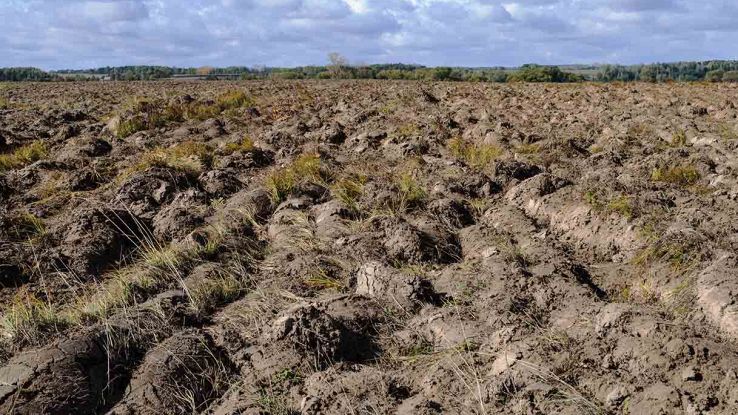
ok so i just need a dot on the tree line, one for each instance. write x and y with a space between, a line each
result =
712 71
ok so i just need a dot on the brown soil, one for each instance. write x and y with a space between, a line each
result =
368 248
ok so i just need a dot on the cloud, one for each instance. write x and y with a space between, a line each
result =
85 33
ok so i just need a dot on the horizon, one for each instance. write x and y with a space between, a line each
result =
85 34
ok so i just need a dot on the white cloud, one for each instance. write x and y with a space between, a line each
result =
82 33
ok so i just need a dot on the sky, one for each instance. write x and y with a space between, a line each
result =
76 34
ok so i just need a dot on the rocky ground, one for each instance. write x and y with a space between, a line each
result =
368 248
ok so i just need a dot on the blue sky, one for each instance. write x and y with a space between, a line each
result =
55 34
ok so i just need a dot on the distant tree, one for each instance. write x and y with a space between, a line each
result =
730 76
338 64
204 70
714 76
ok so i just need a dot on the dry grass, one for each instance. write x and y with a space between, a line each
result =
28 319
683 175
477 156
23 156
306 168
189 157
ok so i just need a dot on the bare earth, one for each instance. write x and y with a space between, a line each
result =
368 248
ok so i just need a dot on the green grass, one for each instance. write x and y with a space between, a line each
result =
23 156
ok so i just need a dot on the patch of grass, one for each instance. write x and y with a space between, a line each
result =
727 131
477 156
683 175
680 255
407 130
27 319
678 138
528 149
321 280
233 99
23 156
306 168
412 192
245 145
222 289
4 104
621 205
189 157
349 190
26 225
130 126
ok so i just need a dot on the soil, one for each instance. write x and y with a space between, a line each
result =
345 247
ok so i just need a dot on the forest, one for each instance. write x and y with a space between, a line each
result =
712 71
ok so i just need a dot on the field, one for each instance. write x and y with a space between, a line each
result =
368 247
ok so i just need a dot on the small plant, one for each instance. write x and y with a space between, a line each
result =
23 156
684 175
680 255
4 104
477 156
593 199
129 127
216 291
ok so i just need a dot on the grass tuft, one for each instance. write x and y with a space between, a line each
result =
477 156
23 156
684 175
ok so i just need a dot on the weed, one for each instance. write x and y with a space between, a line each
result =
222 289
684 175
680 255
477 156
23 156
130 126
